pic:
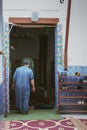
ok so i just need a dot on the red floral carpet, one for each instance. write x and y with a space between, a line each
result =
64 124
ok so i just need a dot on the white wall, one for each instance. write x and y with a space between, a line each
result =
24 8
77 50
53 9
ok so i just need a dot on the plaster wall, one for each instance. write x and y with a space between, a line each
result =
77 50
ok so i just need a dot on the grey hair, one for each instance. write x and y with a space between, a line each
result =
26 62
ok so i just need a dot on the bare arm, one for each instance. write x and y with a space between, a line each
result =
33 85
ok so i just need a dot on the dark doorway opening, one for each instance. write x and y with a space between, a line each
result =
36 43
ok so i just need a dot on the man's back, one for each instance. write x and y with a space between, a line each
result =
22 76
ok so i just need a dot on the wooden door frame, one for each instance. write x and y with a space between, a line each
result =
44 21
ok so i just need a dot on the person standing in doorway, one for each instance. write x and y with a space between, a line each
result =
23 78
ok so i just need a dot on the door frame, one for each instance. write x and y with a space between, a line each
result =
28 21
45 21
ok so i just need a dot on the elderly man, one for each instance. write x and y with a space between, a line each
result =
22 79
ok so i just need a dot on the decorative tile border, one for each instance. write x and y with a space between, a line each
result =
73 69
5 47
58 56
1 99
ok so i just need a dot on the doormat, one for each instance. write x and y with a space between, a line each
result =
64 124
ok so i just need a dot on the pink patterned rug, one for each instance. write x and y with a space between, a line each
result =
64 124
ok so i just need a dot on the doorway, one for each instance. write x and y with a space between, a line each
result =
36 43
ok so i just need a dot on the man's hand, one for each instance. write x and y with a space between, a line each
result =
33 89
33 86
12 86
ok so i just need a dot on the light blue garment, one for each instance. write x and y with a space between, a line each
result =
22 77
